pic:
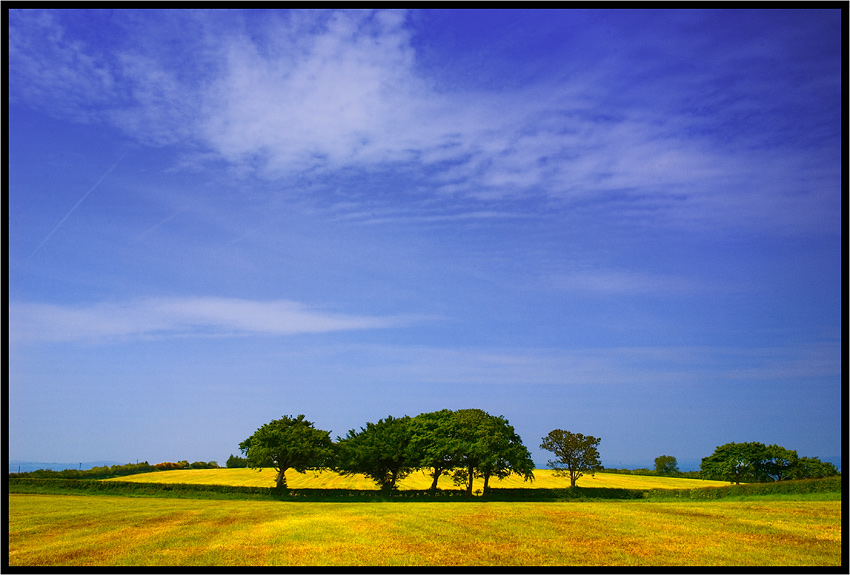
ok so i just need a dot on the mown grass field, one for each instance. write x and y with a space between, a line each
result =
544 478
111 531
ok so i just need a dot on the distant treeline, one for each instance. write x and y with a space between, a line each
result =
234 462
105 472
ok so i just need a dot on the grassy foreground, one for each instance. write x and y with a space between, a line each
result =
544 479
90 531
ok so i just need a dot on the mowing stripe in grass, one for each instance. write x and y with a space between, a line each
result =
92 531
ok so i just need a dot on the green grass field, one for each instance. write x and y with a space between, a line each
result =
110 531
544 478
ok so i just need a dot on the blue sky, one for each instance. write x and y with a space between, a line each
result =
620 223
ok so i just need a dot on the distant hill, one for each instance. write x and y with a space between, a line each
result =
16 466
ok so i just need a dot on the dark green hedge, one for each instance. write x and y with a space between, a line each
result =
826 485
196 491
131 488
567 493
136 489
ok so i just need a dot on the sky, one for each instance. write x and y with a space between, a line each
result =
620 223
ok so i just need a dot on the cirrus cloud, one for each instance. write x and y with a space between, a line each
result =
185 316
317 93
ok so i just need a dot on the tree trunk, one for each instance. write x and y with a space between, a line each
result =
281 478
436 476
469 485
486 482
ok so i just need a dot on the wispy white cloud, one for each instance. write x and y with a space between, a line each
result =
374 217
187 316
159 108
342 94
319 92
52 69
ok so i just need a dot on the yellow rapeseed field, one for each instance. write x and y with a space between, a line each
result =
544 478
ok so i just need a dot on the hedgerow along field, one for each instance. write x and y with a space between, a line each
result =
112 531
795 530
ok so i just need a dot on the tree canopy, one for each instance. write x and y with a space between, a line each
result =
288 443
234 461
813 468
665 464
380 451
435 441
576 453
468 443
488 446
754 462
506 453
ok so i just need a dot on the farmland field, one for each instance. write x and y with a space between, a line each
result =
111 531
544 478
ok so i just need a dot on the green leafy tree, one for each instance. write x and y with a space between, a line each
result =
472 447
236 462
813 468
288 443
666 465
488 446
506 453
381 451
750 462
435 442
576 453
779 463
736 463
755 462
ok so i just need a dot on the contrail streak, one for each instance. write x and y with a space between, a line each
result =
62 221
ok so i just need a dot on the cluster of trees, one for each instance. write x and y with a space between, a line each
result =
183 464
755 462
464 444
652 472
665 465
121 470
234 461
470 443
95 472
744 463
